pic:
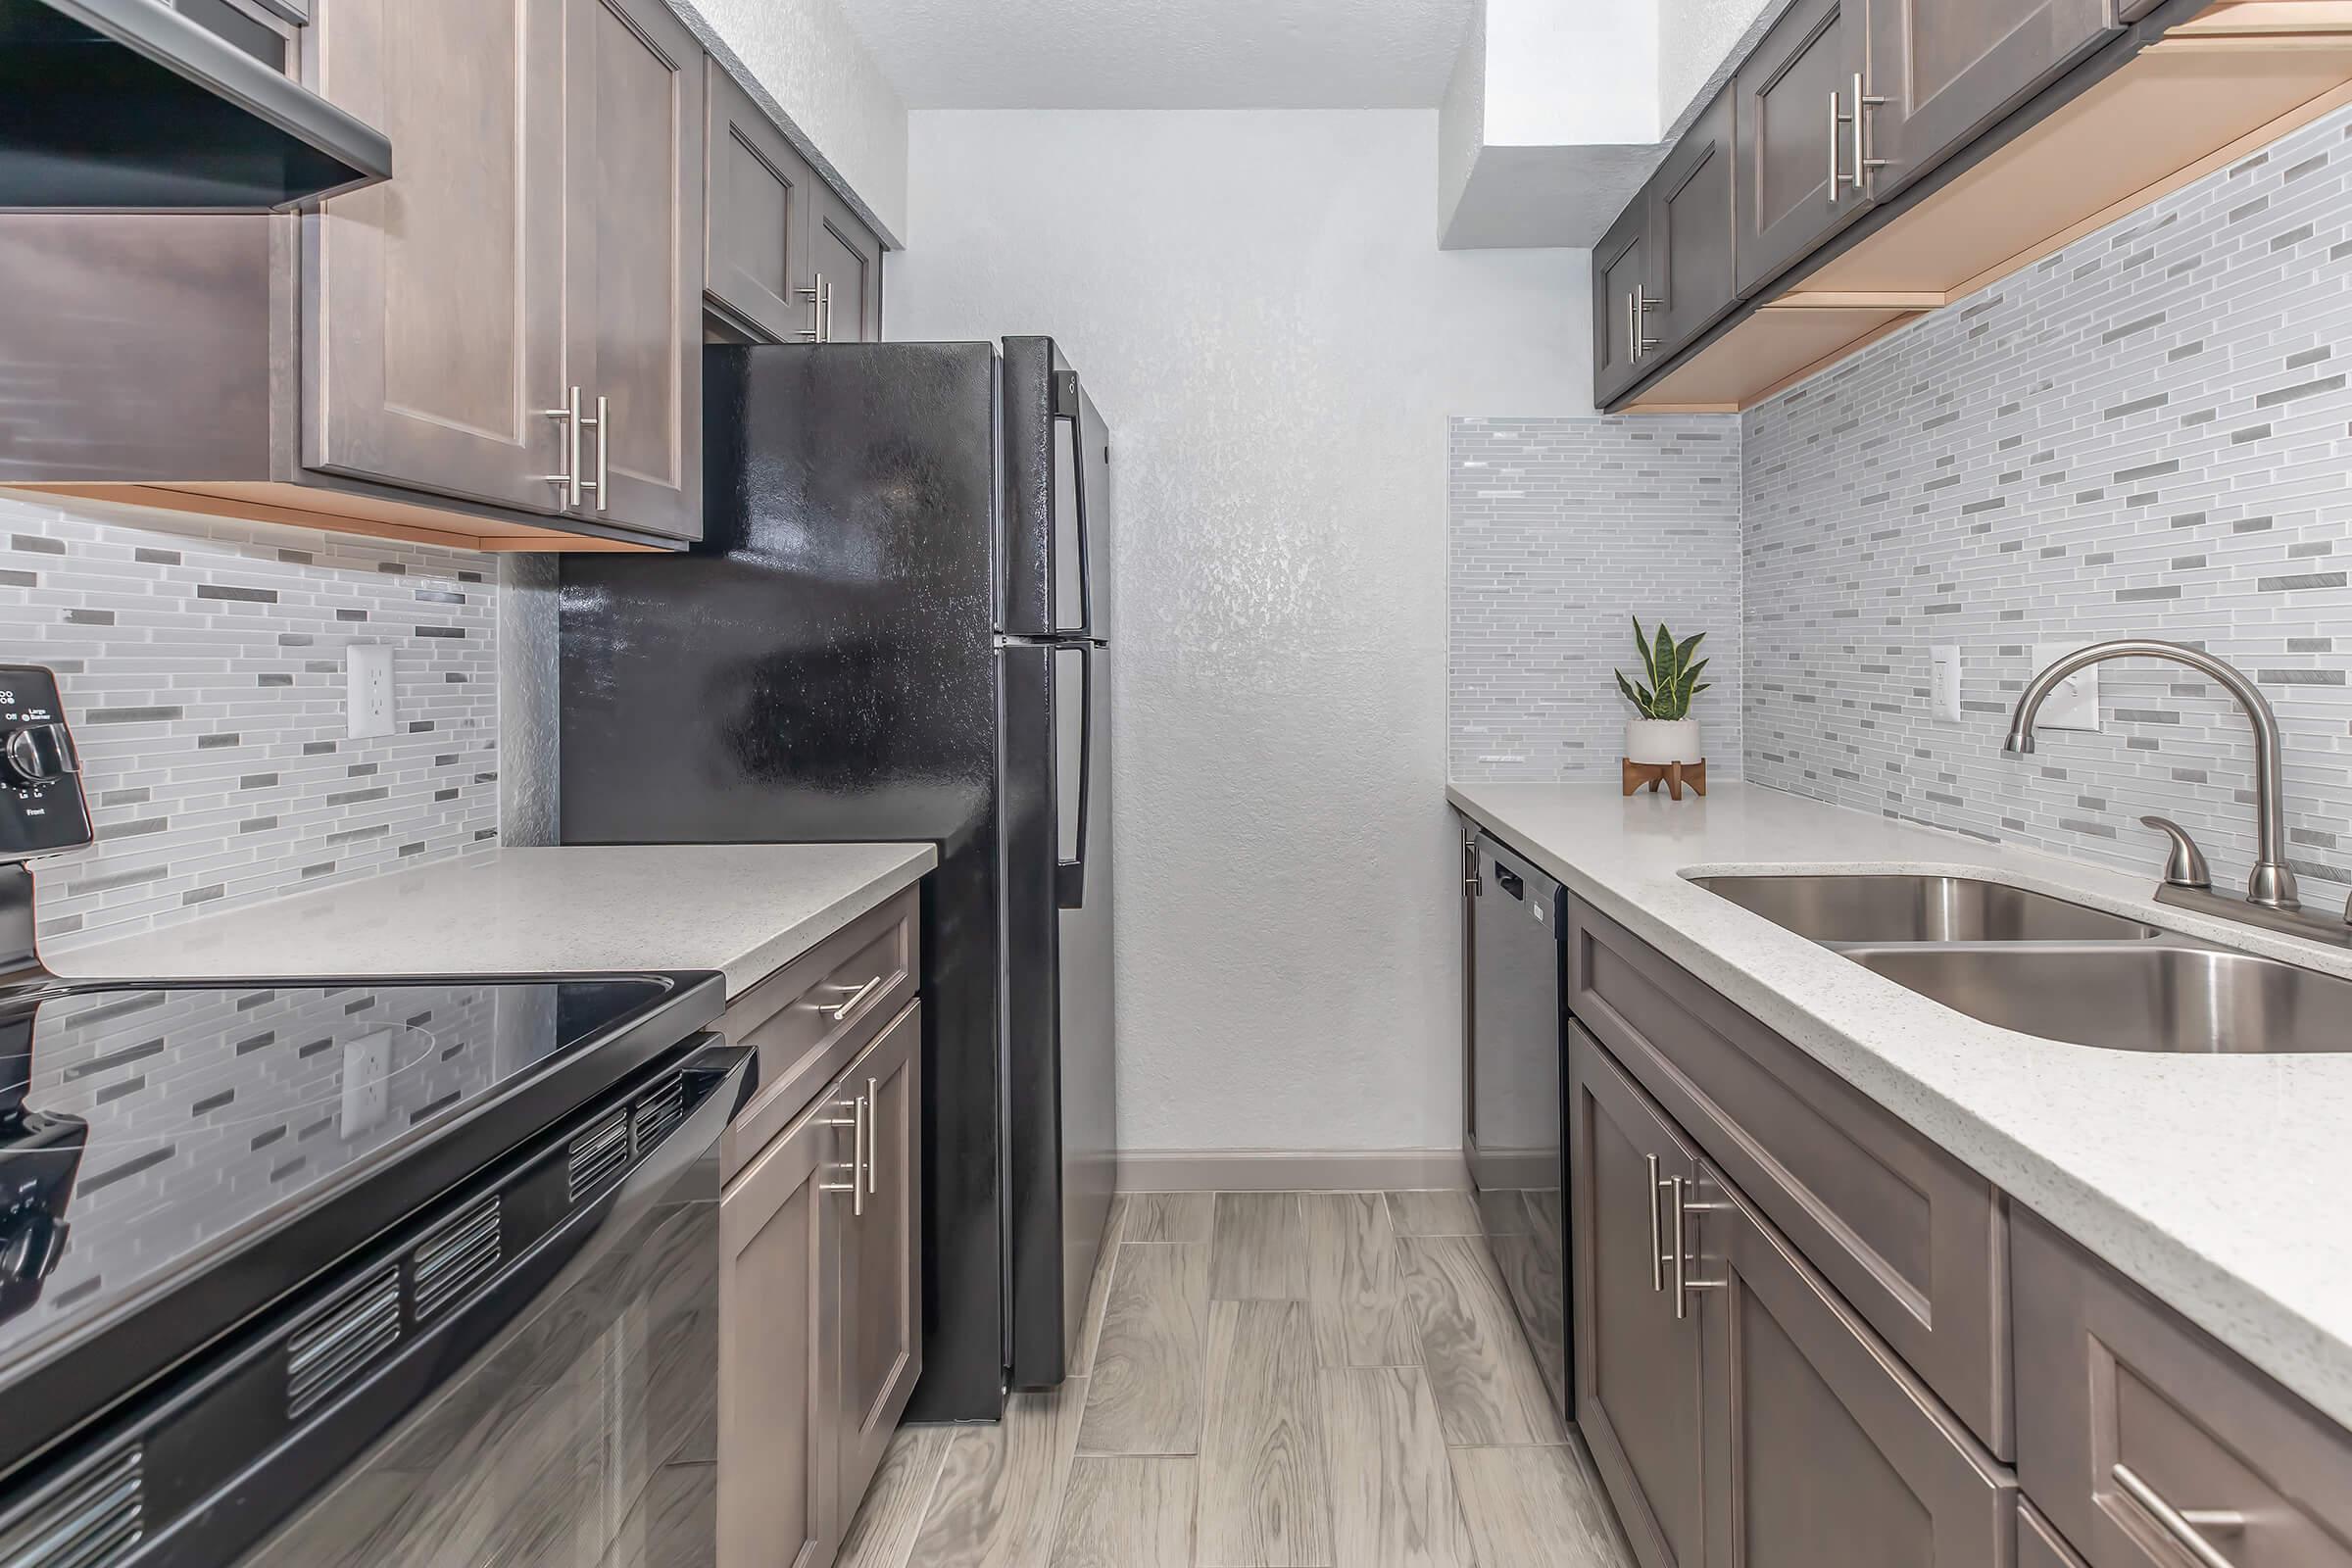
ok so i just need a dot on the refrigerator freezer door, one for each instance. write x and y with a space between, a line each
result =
822 668
1060 1144
1057 514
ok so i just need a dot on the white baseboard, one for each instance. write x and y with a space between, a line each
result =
1286 1170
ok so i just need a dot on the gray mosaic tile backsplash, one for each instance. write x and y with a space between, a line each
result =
202 664
1559 531
2143 434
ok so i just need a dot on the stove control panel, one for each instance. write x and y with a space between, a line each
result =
41 804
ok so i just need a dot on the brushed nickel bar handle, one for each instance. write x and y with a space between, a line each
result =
842 1012
1643 306
603 454
1684 1283
2182 1524
820 311
569 478
828 288
1863 162
873 1176
856 1122
1657 1239
1835 120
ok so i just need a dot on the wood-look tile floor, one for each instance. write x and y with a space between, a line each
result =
1266 1380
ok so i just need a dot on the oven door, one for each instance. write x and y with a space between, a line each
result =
584 1432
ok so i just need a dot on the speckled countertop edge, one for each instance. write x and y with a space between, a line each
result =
2182 1172
743 909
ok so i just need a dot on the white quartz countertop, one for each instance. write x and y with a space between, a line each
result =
745 910
2215 1182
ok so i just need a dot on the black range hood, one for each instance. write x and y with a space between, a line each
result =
132 105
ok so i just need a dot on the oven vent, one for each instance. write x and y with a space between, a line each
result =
657 1113
598 1152
446 1264
337 1345
93 1521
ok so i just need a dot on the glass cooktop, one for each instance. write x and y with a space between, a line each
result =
142 1128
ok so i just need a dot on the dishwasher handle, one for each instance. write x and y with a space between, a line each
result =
1510 881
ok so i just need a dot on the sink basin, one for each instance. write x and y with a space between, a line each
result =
1870 908
2131 996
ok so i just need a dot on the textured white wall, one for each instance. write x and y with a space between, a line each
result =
825 86
1700 44
1255 304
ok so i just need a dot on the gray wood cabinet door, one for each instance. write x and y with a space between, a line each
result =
1821 1446
779 1337
848 261
1947 68
1620 292
2136 1431
760 198
633 259
1794 101
431 336
1639 1397
881 1270
1693 235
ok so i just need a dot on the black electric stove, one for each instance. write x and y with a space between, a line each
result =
188 1171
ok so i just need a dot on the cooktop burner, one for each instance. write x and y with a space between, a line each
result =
140 1127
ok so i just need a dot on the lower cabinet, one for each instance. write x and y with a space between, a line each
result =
819 1316
1738 1412
1822 1447
1639 1393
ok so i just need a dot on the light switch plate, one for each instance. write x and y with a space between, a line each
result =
2074 703
371 707
366 1080
1943 684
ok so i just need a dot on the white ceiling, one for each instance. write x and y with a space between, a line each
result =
1163 54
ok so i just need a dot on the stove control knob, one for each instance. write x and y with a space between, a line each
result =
36 754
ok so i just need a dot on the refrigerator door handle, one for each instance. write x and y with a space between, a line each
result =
1069 876
1068 417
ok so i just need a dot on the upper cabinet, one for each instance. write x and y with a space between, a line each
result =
1692 220
1620 301
500 347
1800 181
633 263
1943 71
789 261
431 339
1884 157
536 264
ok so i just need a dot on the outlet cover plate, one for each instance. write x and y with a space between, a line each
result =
371 705
1943 684
2075 704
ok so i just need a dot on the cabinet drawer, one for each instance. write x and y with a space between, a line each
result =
1910 1237
810 1017
2126 1414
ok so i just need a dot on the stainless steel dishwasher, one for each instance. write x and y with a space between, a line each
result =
1515 1106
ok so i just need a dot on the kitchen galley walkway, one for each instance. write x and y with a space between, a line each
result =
1266 1380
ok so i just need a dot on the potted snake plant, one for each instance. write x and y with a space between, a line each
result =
1665 733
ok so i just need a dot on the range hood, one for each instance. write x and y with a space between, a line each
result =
132 105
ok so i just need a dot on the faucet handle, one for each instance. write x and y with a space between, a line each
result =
2185 866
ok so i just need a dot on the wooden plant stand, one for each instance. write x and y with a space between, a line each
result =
1673 775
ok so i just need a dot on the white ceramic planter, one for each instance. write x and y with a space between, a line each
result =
1659 741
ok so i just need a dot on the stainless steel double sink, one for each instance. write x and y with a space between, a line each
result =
2044 966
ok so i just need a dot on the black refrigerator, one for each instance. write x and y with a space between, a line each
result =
897 627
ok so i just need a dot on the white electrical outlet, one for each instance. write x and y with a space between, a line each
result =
370 707
366 1080
2073 704
1943 684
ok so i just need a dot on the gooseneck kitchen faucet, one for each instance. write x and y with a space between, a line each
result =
2270 897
